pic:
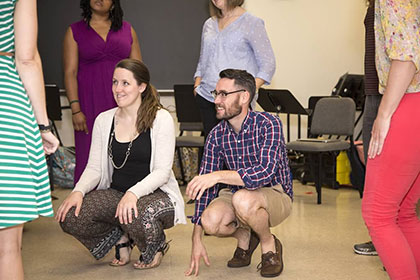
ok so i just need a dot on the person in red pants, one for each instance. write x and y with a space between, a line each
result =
372 101
392 185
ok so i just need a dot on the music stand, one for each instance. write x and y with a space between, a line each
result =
281 101
353 86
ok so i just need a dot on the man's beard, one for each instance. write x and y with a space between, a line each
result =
235 110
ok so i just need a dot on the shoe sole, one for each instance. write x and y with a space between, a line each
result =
233 266
118 265
272 275
365 253
147 267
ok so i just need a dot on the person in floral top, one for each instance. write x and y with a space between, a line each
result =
392 186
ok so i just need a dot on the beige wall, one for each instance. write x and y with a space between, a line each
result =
315 42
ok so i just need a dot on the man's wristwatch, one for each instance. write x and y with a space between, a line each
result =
45 128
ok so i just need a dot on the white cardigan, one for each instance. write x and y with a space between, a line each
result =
98 171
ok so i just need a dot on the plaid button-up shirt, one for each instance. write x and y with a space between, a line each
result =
258 153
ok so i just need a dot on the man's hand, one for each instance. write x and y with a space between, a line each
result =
198 251
199 184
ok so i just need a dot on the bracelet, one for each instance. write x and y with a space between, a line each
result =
45 128
73 101
75 113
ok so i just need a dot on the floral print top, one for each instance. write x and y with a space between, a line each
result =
397 33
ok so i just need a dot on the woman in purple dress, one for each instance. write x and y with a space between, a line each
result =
91 49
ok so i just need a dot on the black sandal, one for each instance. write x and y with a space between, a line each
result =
162 250
128 244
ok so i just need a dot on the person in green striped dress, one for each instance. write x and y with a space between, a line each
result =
24 132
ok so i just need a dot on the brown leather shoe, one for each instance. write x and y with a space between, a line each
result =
272 263
242 257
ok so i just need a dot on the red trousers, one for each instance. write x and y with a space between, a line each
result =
392 189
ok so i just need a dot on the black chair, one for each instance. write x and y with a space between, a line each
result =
189 120
332 116
52 96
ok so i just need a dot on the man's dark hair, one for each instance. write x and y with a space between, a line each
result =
115 14
242 79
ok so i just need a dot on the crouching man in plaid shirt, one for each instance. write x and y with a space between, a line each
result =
259 194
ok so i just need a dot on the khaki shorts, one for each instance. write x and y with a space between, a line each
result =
279 204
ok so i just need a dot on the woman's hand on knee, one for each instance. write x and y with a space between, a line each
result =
125 208
74 199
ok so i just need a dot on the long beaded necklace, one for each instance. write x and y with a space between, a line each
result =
127 153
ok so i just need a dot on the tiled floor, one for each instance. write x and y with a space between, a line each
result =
317 241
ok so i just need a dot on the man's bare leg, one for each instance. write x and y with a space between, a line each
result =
250 209
219 219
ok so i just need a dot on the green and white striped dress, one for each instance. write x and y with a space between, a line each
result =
24 183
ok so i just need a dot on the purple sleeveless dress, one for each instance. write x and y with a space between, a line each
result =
97 59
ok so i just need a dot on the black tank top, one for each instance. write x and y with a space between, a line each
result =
137 166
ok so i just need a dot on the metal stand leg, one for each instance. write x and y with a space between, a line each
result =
181 167
55 130
318 184
51 175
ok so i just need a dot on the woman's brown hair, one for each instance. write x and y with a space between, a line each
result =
231 4
150 103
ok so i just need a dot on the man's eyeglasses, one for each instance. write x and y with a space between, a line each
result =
223 93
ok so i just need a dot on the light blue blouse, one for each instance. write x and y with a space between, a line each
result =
243 44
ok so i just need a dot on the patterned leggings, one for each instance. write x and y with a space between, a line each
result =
99 230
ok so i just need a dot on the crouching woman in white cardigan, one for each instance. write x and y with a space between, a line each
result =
127 195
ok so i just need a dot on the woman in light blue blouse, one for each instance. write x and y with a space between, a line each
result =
231 38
